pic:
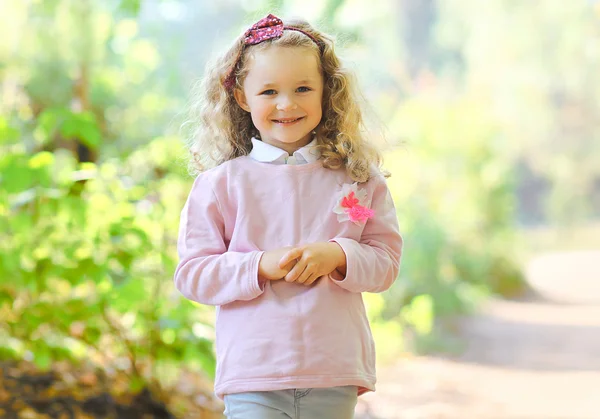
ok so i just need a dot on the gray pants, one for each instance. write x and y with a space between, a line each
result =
300 403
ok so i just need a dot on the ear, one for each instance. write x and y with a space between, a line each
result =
240 98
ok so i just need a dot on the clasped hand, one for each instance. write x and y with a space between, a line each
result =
302 264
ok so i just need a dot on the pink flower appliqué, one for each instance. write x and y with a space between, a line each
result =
352 205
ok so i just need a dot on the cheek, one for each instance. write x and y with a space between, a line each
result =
263 110
316 103
260 113
317 108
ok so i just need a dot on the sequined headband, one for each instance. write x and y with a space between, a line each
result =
270 27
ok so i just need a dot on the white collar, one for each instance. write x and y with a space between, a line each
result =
268 153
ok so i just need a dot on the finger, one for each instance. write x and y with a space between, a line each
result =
309 279
288 267
290 256
306 274
296 271
313 277
296 278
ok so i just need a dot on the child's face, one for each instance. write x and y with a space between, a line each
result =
283 92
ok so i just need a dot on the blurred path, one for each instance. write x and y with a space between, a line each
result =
533 359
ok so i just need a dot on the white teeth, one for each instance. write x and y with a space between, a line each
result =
286 120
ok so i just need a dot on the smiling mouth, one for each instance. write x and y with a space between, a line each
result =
287 121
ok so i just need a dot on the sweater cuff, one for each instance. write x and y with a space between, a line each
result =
255 286
346 245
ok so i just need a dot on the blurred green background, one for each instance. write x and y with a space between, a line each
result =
488 112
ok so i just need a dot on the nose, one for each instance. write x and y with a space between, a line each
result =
285 103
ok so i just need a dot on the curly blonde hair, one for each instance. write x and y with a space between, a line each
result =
221 130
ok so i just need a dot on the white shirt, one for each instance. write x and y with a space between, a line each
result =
268 153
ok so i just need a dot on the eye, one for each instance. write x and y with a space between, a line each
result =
268 92
304 89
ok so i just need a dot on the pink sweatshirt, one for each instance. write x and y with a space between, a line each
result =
276 335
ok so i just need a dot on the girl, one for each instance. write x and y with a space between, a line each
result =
289 221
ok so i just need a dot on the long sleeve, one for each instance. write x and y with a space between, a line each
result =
372 264
207 272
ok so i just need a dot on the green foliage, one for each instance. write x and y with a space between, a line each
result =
69 124
131 7
387 333
453 188
87 250
543 86
420 314
87 253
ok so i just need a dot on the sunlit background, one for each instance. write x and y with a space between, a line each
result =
489 116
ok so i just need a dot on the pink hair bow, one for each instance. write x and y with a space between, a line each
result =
269 27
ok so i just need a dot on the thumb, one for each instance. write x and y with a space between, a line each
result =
290 256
